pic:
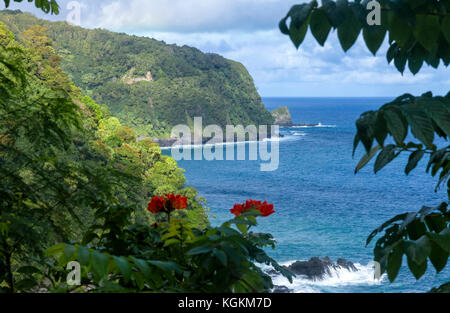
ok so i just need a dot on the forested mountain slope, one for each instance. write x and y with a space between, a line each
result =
147 84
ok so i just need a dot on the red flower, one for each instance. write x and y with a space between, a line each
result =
167 203
177 202
263 207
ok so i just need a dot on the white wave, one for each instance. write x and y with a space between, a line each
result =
339 277
320 125
298 134
195 146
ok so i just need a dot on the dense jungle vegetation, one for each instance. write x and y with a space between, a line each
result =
183 82
77 185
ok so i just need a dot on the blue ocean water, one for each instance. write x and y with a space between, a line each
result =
322 208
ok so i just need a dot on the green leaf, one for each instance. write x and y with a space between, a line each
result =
400 62
374 37
142 266
26 284
446 28
427 31
124 267
421 126
166 266
28 270
442 239
320 26
366 158
139 279
438 257
438 111
335 11
200 250
297 35
394 262
84 255
242 228
413 160
386 156
392 51
349 30
417 269
365 126
396 126
99 264
415 62
418 250
69 251
300 13
399 30
283 26
55 249
221 256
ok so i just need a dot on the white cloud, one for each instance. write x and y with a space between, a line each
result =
191 15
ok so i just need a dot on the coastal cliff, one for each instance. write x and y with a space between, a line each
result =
147 84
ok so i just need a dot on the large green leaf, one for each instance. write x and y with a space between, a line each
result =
99 264
142 266
446 28
320 26
418 250
439 111
349 30
421 126
395 124
394 262
386 156
298 34
413 160
442 239
300 13
83 255
124 267
335 11
427 31
366 158
374 37
167 266
438 257
399 30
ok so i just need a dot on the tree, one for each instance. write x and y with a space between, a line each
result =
418 32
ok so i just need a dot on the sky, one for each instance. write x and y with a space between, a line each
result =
247 31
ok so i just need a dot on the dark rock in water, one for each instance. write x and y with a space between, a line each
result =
282 116
282 289
317 269
347 265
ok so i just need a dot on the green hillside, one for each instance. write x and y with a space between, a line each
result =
149 85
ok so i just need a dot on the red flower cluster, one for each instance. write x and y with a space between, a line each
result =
263 207
167 203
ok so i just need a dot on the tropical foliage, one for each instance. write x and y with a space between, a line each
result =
63 157
168 256
148 85
75 187
418 32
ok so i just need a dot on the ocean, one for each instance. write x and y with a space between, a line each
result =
322 207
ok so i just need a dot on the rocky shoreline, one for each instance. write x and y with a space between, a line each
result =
315 269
